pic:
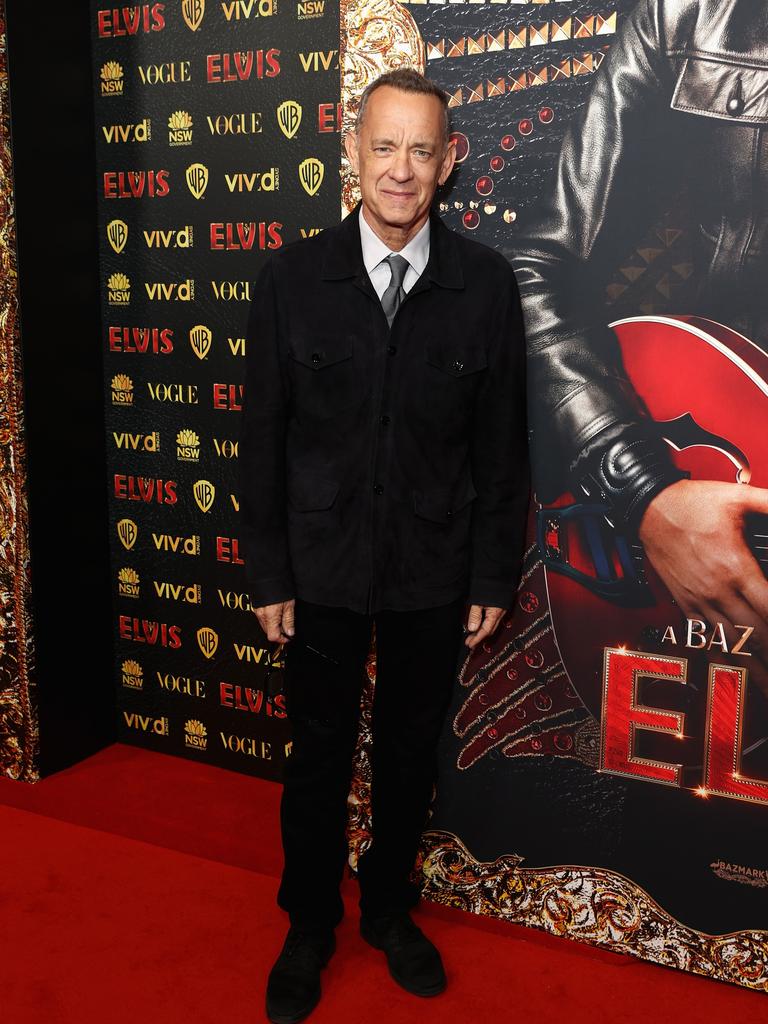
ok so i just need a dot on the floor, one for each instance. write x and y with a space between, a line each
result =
138 887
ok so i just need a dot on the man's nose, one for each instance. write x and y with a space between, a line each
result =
400 169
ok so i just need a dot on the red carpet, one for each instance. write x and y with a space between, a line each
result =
140 888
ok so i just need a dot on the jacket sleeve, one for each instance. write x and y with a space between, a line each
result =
500 465
262 452
590 430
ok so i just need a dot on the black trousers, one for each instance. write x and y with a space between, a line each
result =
416 657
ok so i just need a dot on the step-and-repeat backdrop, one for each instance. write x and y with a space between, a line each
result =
18 712
217 143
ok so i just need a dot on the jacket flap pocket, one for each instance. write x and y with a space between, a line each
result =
439 504
319 352
728 91
458 360
308 492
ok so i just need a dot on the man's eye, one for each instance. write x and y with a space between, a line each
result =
423 153
381 149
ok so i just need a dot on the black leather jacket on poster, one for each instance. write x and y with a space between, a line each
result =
681 97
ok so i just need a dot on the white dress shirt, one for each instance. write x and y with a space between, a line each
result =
375 253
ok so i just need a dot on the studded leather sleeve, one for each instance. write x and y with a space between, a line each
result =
590 432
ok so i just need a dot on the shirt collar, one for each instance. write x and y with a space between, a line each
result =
374 250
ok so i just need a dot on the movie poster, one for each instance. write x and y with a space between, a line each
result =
604 768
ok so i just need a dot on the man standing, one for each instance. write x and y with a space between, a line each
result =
385 484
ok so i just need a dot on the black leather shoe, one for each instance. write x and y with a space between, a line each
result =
293 989
413 961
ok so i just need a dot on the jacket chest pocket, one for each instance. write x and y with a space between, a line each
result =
730 92
727 106
454 370
323 374
456 359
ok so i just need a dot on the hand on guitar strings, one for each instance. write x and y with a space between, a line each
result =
694 533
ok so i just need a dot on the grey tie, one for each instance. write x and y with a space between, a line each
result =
395 293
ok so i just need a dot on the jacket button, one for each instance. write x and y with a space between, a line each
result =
391 349
735 105
449 514
315 357
378 489
458 366
385 421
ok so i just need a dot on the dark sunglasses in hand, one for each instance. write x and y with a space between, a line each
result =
274 680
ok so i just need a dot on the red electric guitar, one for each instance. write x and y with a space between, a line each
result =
707 389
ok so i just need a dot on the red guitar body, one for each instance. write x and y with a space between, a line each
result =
707 389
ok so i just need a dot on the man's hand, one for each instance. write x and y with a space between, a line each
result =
693 533
482 621
277 620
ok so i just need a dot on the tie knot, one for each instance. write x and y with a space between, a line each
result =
398 266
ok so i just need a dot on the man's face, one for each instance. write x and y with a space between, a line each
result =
400 157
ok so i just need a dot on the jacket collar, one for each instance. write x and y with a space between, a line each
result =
344 255
731 31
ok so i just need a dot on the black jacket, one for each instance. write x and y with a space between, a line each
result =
681 97
384 469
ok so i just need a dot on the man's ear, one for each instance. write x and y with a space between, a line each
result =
448 161
351 147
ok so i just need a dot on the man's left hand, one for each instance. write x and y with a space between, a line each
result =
482 622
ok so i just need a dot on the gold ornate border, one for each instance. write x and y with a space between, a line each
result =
591 905
376 36
18 722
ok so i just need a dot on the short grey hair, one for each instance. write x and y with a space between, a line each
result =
406 80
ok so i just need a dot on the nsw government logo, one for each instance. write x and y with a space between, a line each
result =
122 389
289 118
118 290
127 532
180 128
111 79
207 641
197 180
132 674
128 583
117 235
187 446
311 173
195 735
306 9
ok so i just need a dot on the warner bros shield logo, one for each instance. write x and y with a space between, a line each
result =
193 12
311 173
207 640
289 118
127 531
197 180
200 338
117 234
204 493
